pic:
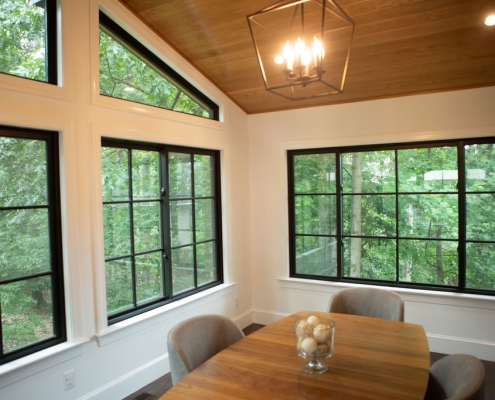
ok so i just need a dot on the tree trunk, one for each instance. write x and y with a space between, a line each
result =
357 177
37 295
439 259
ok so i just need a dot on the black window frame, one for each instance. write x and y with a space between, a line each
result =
128 41
461 191
56 248
166 246
51 41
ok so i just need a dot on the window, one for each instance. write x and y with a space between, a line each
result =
162 224
32 315
395 214
129 71
28 39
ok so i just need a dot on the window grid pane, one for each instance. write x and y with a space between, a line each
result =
398 215
31 285
29 40
158 249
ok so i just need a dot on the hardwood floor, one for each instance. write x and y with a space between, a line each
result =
155 389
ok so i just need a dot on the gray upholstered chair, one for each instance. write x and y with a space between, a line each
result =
456 377
371 302
193 341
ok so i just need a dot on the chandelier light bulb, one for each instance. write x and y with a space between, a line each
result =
303 64
299 47
306 58
490 20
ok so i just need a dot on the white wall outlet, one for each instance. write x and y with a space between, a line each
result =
236 302
69 380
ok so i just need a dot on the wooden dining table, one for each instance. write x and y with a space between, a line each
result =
373 359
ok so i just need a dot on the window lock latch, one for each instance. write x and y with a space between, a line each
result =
163 191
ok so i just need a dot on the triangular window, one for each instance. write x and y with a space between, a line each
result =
129 71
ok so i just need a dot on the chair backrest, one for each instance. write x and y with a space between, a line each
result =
461 376
371 302
193 341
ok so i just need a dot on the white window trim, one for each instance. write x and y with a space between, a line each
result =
169 311
96 206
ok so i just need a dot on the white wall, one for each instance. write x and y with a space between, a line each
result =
454 323
112 362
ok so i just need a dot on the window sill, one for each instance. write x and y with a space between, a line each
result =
415 295
140 322
42 360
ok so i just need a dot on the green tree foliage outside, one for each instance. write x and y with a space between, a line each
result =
120 240
22 39
126 76
26 302
400 215
131 194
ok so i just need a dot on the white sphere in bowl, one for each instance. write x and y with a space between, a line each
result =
322 350
303 329
321 333
313 321
309 345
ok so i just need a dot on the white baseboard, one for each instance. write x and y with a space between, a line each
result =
455 345
244 320
126 384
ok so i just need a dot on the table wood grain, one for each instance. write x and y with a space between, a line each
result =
373 359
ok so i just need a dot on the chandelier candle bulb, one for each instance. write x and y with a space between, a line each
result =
300 57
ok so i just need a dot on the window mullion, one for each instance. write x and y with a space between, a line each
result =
51 41
193 207
131 231
165 214
461 193
397 265
340 225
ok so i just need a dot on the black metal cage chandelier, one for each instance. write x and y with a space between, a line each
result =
303 47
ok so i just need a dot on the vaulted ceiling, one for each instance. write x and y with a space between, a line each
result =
400 47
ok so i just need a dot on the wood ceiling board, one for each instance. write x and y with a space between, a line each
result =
401 47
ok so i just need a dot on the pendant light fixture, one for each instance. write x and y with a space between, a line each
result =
303 47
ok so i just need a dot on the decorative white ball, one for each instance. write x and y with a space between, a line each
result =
322 350
303 329
322 333
309 345
313 321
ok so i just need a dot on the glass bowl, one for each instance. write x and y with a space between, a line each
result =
314 341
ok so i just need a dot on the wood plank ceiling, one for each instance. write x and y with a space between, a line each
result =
401 47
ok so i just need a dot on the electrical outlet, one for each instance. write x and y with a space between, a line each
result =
236 302
69 380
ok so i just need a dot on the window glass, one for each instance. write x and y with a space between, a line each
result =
315 214
129 71
31 293
480 207
28 39
400 216
161 225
